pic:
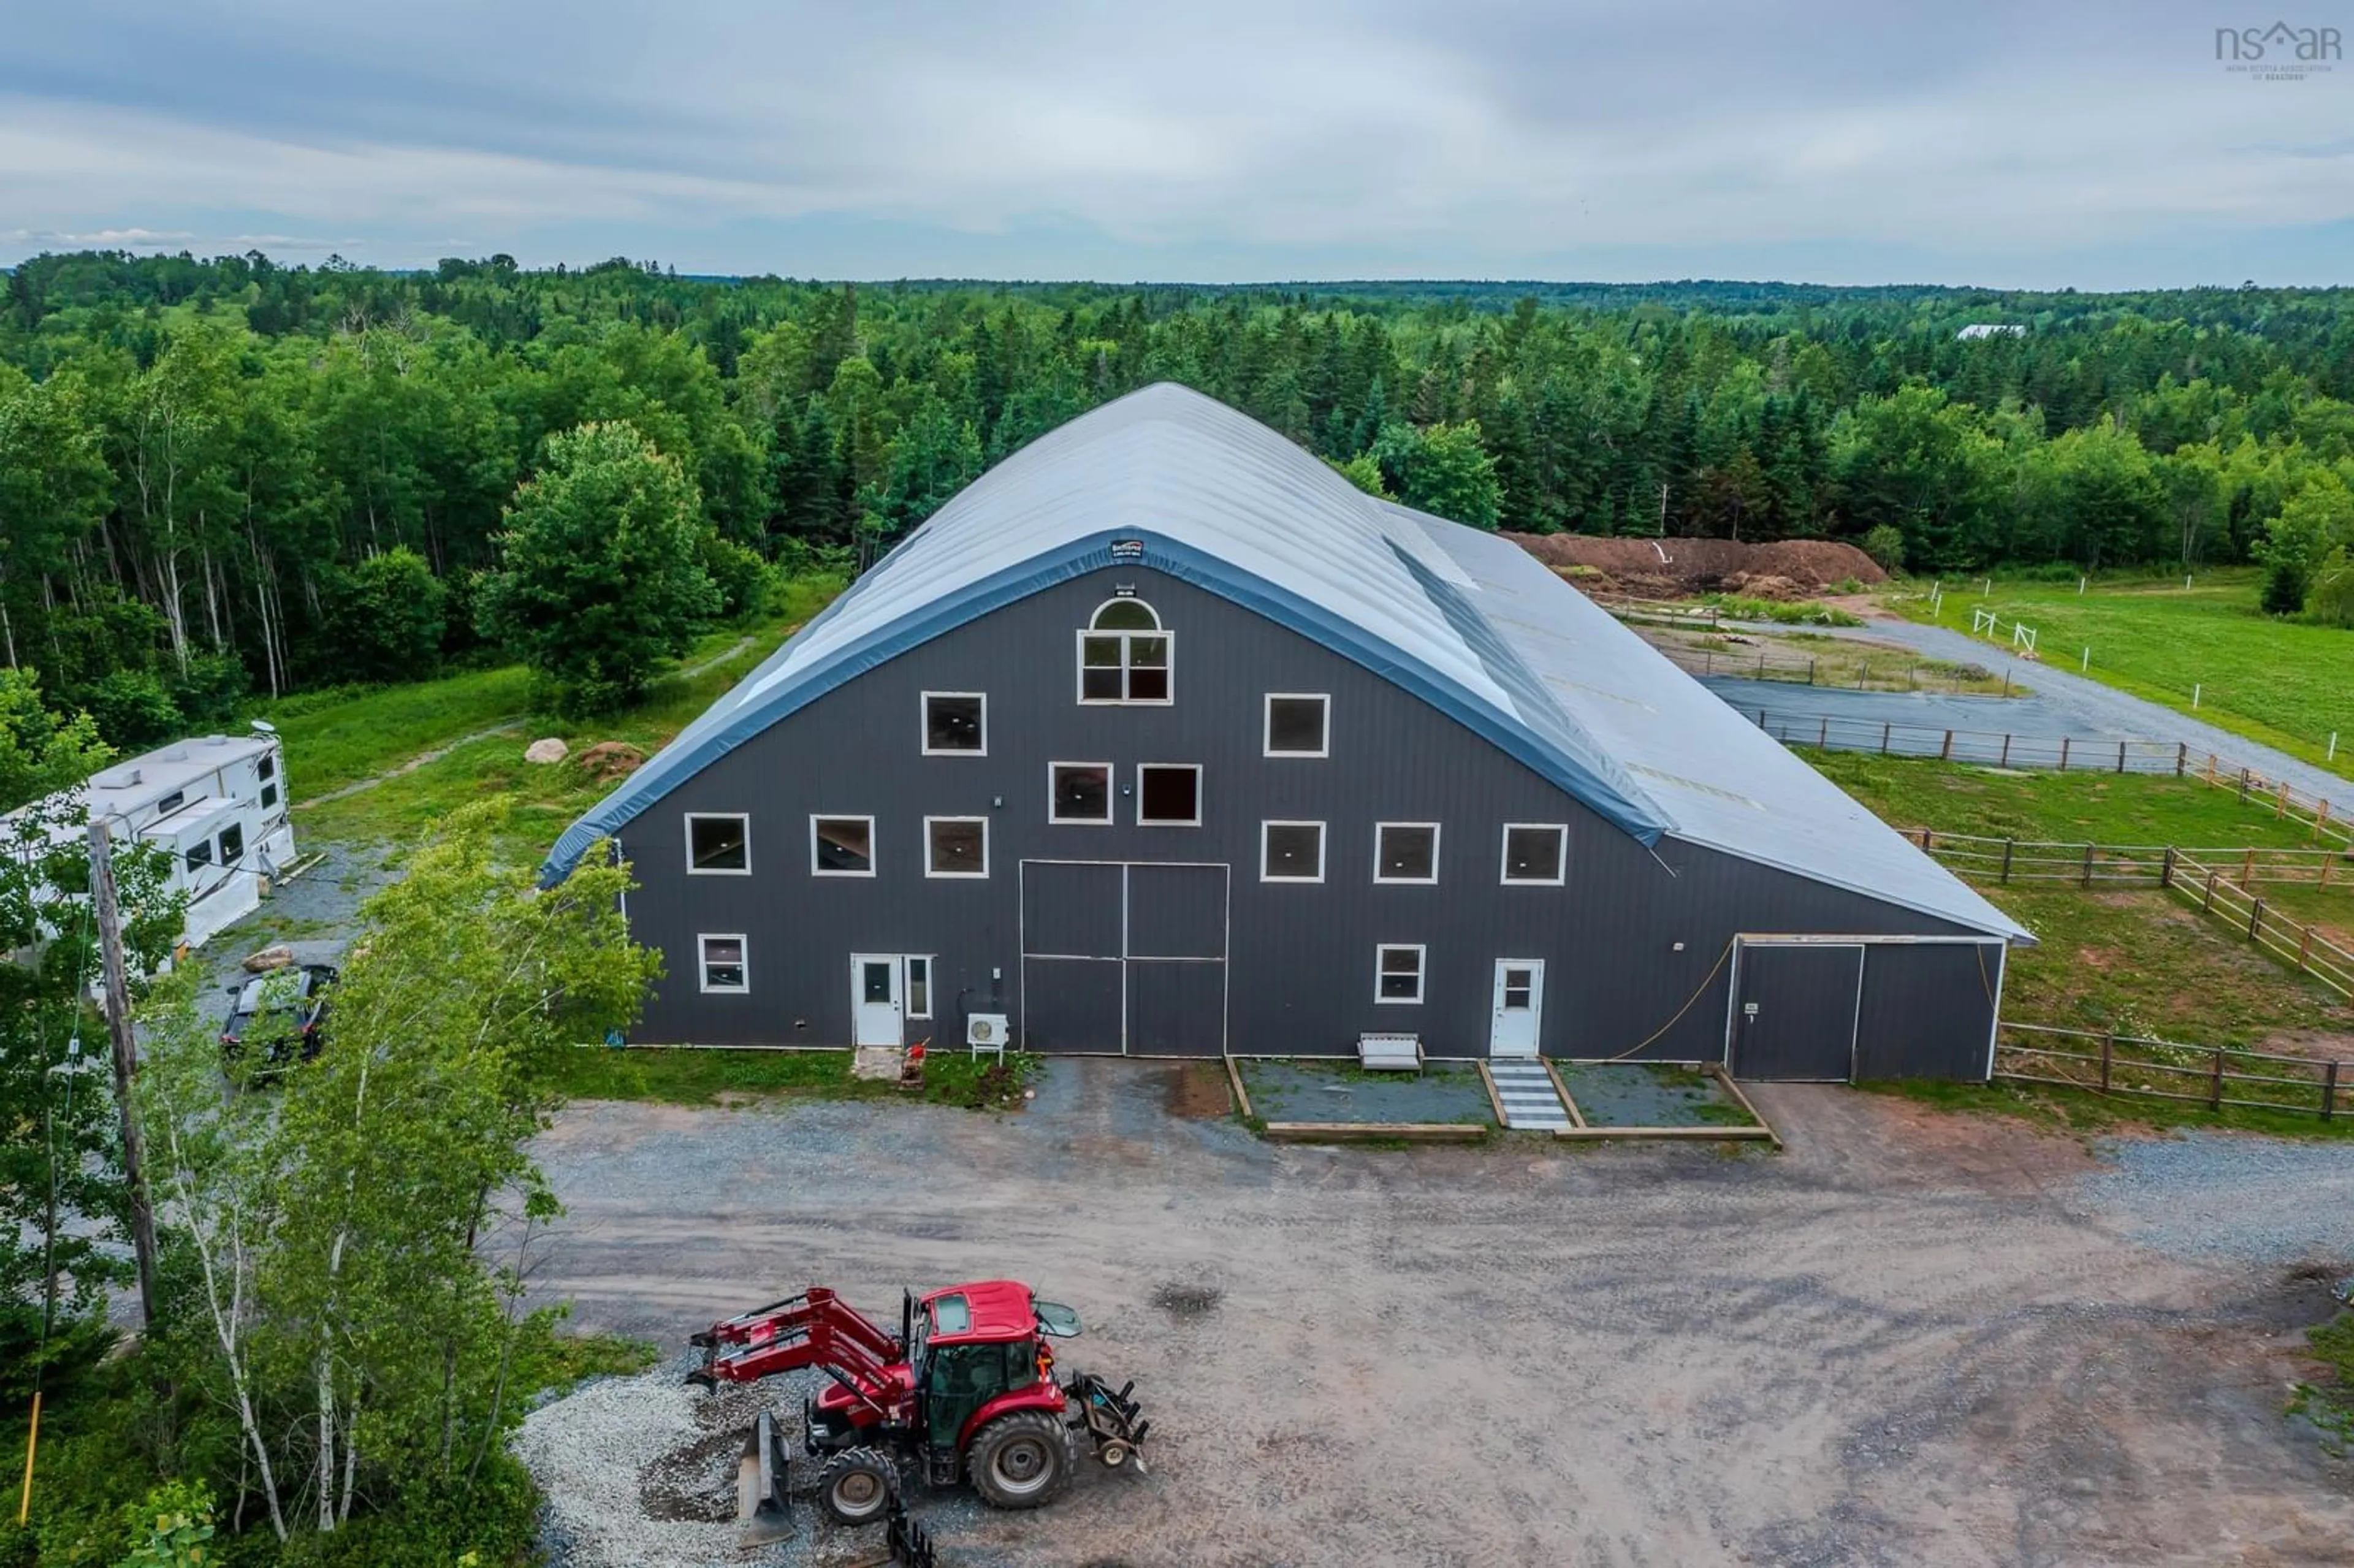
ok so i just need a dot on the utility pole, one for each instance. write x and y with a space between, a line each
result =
126 1060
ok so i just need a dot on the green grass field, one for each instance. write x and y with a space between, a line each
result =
2281 682
333 743
688 1077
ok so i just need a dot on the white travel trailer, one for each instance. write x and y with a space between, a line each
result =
217 805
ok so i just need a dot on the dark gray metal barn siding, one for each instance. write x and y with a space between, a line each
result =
1302 957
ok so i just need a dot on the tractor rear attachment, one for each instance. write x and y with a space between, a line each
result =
1111 1420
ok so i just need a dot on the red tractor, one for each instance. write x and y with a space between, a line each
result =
966 1388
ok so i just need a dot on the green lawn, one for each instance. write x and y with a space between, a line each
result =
690 1078
2281 682
2097 807
2082 1112
337 737
2102 807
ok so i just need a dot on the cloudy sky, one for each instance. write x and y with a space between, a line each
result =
2066 142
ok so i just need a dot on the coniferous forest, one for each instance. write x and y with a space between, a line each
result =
228 477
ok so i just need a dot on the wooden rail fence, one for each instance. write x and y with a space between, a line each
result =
2058 754
2222 883
2210 1076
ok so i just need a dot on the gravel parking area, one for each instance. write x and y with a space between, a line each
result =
1913 1339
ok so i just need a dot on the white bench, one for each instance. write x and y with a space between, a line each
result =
1390 1053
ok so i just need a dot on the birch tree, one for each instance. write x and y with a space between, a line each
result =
362 1242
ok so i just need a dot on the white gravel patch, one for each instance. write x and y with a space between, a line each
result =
595 1451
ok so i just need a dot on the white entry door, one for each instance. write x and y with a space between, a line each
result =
1520 1006
877 1006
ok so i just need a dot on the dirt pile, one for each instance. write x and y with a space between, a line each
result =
1679 568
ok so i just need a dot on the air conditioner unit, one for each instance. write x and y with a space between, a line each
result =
986 1031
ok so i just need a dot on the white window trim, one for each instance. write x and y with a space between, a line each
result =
1430 881
931 962
702 962
689 819
1111 798
924 719
1421 952
1504 856
1192 821
1323 837
872 857
939 875
1079 668
1267 725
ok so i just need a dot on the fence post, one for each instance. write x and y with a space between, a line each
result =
2207 904
2305 950
2281 809
2166 868
1886 730
2181 757
2006 751
1945 752
2088 865
1810 670
2329 1089
2008 844
2215 1089
1761 664
1823 740
2255 920
2108 1055
2243 786
2248 867
2064 754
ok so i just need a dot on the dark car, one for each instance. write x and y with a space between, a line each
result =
280 1017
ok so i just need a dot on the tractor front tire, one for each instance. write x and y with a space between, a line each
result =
856 1486
1022 1460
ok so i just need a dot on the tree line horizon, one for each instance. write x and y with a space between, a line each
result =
228 477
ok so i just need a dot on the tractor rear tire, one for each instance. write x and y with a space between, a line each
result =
1022 1460
856 1486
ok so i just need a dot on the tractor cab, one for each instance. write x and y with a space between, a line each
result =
971 1347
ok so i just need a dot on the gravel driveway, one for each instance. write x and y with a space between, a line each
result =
2086 705
1913 1339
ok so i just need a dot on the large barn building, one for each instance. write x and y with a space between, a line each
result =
1163 739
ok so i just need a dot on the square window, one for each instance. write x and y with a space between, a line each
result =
955 723
266 768
1397 973
200 855
232 845
1533 853
269 796
1169 794
1079 792
841 846
1405 852
1291 852
718 845
170 802
920 987
1296 725
956 846
722 963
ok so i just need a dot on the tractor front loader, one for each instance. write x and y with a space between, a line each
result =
965 1389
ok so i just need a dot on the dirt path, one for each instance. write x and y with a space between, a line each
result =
1910 1340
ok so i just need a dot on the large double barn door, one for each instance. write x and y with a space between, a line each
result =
1124 958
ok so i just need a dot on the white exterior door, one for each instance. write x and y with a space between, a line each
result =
1519 1006
877 1005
